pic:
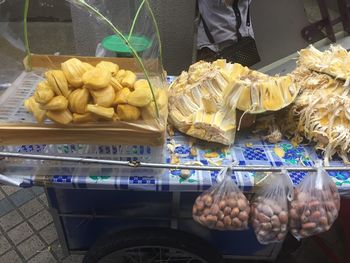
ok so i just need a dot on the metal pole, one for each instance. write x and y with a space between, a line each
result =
254 168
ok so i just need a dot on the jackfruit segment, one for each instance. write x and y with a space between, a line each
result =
121 96
100 111
97 78
62 117
110 66
58 82
149 111
128 112
103 97
245 101
271 96
73 70
116 84
84 118
128 79
34 107
141 83
43 93
58 103
78 100
140 97
335 61
209 104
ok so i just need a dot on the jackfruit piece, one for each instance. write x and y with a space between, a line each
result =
78 100
97 78
237 71
87 66
120 75
220 63
73 70
121 96
58 82
128 112
34 107
110 66
116 84
271 95
43 93
62 117
58 103
209 104
149 111
103 97
141 83
245 100
128 79
140 97
84 118
100 111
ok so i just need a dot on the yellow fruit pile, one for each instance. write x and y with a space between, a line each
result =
82 93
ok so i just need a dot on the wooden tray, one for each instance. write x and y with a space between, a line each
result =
18 126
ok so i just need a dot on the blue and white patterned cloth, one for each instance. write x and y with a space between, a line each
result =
248 150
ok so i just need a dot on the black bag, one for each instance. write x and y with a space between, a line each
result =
244 51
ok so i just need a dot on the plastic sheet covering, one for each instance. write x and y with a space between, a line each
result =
123 32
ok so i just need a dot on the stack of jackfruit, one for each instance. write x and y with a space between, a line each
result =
82 93
321 113
203 101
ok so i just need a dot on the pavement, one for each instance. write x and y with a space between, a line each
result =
27 232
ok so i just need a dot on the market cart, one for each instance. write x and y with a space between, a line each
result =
130 203
91 199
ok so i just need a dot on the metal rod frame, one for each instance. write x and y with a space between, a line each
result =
312 30
136 164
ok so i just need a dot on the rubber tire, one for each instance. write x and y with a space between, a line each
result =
152 237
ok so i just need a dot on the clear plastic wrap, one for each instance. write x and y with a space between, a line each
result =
269 210
223 206
315 205
128 87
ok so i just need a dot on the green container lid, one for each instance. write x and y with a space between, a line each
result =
116 44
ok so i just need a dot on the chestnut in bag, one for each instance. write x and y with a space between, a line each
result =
269 210
315 205
223 206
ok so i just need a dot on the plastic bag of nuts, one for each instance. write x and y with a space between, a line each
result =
269 210
315 205
223 206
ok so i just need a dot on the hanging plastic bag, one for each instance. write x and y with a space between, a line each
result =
223 206
315 205
269 210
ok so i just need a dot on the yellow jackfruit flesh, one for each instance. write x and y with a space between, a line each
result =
271 96
129 79
73 70
103 97
141 83
58 103
43 93
84 118
62 117
110 66
100 111
116 84
78 100
58 82
121 96
97 78
34 107
140 97
128 113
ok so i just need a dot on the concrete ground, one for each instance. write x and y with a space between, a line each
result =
27 233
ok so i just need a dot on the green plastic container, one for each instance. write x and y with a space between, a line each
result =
116 44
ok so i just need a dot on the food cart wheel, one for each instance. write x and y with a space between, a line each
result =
149 245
